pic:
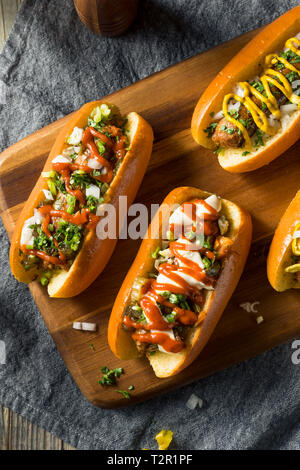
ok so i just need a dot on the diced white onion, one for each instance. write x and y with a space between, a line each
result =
214 201
93 190
179 217
69 151
288 108
234 106
26 236
27 233
295 84
190 256
167 253
238 90
94 163
285 120
219 115
76 136
193 402
182 218
48 194
61 159
273 122
77 325
38 218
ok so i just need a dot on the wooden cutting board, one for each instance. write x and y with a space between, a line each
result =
166 100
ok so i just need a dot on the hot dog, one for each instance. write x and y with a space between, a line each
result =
97 157
181 280
283 264
250 113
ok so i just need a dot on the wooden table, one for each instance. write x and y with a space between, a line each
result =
16 432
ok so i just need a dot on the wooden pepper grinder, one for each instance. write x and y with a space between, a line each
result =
107 17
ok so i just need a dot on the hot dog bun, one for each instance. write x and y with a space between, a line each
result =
94 253
246 65
280 253
166 365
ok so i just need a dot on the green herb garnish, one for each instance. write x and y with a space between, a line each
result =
154 253
71 202
210 129
259 138
234 113
68 236
170 317
246 122
292 76
206 262
110 376
100 146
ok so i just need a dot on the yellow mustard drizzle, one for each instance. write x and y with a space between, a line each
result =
294 268
259 117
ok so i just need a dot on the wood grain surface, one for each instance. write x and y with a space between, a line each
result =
16 433
166 100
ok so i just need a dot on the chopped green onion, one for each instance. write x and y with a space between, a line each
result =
171 317
154 253
206 262
100 146
44 281
52 187
173 299
165 294
71 202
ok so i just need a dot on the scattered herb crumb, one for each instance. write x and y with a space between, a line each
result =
91 347
131 387
110 376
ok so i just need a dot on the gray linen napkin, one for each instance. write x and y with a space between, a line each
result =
50 66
